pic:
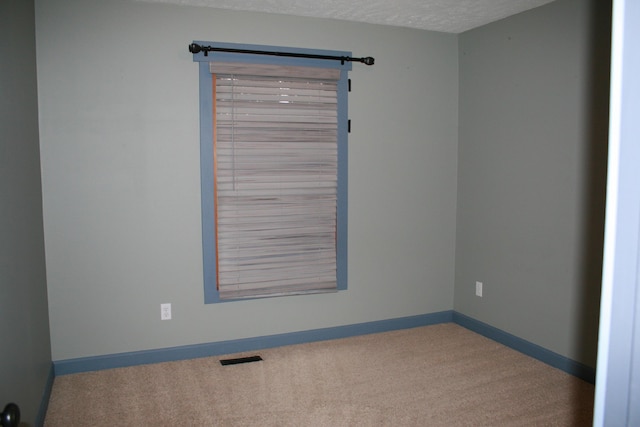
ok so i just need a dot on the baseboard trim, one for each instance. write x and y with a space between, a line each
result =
556 360
46 395
96 363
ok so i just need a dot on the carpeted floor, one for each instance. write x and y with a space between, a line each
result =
440 375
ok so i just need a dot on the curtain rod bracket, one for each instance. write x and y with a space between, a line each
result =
196 48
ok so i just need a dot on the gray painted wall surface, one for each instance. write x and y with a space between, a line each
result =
120 164
119 143
25 356
532 171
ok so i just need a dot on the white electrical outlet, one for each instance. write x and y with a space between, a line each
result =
165 311
479 289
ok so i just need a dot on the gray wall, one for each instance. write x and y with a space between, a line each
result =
513 198
532 171
25 355
120 155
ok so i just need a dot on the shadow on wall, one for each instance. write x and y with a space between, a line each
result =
597 128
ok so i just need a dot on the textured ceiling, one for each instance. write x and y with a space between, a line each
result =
451 16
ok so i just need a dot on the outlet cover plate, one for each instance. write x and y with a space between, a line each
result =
165 311
479 289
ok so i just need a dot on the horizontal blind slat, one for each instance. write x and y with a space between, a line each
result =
273 70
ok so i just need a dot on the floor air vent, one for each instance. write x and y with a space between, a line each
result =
225 362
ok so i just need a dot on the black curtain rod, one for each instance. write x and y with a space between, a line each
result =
196 48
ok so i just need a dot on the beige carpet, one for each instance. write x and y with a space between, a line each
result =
440 375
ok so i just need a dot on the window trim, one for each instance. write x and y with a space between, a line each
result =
211 294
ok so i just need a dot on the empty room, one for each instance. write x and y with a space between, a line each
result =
455 167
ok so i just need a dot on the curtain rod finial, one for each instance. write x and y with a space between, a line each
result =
368 60
195 48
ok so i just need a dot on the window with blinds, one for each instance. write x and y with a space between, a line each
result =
277 180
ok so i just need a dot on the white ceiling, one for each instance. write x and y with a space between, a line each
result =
451 16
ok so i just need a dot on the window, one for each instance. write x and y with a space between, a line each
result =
273 173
